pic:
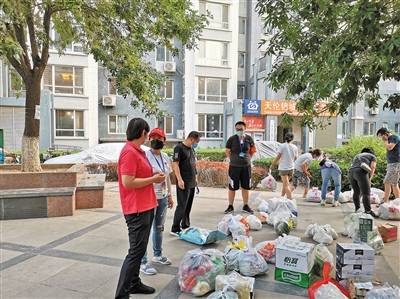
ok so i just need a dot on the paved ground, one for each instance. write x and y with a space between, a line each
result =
80 256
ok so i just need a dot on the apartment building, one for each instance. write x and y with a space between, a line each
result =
69 102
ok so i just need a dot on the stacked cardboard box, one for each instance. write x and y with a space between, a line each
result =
388 232
355 261
294 263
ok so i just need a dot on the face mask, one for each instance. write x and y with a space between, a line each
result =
157 144
195 145
240 133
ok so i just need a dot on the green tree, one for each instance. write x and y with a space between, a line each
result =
118 33
339 51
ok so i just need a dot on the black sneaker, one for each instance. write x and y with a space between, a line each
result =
229 210
247 209
142 289
372 213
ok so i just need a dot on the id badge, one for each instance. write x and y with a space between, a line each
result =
242 155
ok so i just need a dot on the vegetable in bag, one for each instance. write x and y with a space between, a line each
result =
254 222
314 195
267 250
390 210
269 183
199 269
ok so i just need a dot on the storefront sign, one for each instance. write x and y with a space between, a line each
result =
252 107
254 123
278 107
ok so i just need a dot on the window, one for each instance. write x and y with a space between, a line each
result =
74 47
167 90
397 128
345 129
213 53
66 79
167 124
163 54
212 89
16 86
369 128
117 124
219 14
241 89
242 25
69 123
112 86
241 60
210 125
262 63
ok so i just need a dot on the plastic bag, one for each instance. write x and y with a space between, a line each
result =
232 253
390 210
323 234
199 269
385 292
254 200
380 193
263 217
347 196
235 225
250 262
314 195
375 240
263 207
281 213
224 294
243 286
351 224
331 195
223 225
201 236
254 222
269 183
374 198
322 255
327 288
267 250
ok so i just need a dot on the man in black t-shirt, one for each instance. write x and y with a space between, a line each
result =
239 150
184 166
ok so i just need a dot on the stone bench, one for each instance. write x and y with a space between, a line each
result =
90 191
36 203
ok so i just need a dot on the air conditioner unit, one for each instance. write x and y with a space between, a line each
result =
170 66
374 111
179 134
109 100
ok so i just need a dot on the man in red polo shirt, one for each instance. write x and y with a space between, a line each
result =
138 200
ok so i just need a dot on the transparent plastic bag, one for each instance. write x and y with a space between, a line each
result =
331 195
251 263
223 294
347 196
263 217
351 224
254 222
322 255
375 240
385 292
323 234
267 250
314 195
329 291
223 225
200 236
380 193
269 183
199 269
232 252
243 286
254 200
263 207
390 210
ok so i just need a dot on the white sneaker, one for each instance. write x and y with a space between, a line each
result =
147 269
175 234
323 203
163 260
336 204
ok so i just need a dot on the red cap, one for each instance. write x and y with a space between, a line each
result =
157 132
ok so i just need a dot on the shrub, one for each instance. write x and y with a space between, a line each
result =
109 169
211 154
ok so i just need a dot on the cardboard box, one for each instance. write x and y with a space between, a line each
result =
388 232
348 271
296 278
343 281
295 256
354 254
365 226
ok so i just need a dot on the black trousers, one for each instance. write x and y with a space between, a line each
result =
359 180
139 225
182 212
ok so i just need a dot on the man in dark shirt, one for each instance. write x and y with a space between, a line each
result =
184 166
239 150
392 145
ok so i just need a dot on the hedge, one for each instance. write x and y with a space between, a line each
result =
209 154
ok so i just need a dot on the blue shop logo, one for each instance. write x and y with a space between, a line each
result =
252 107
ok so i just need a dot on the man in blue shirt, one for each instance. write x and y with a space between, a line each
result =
391 181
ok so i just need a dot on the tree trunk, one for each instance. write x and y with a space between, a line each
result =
30 140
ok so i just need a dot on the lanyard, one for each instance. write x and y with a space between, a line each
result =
241 144
162 166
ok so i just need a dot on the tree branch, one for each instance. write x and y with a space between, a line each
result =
20 35
32 38
19 66
46 42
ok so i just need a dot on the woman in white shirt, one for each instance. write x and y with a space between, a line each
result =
287 154
160 163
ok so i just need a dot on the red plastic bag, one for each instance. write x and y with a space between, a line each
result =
326 279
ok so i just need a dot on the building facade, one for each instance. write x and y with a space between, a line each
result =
69 102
